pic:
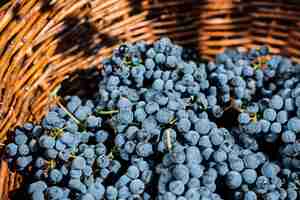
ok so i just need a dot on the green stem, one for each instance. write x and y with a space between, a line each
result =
68 113
107 112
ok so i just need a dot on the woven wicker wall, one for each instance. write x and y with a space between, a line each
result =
42 42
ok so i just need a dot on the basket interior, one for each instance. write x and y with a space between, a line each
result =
43 42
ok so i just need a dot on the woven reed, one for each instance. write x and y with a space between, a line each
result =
42 42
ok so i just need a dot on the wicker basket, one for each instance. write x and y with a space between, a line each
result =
42 42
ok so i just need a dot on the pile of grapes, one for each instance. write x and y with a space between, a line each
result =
165 126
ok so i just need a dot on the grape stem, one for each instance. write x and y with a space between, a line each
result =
68 113
168 140
107 112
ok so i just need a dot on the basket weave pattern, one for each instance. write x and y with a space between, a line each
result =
42 42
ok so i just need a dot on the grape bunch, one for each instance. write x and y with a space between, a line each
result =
164 125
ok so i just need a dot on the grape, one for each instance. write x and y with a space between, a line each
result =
55 176
137 186
236 164
249 176
158 85
88 197
192 137
144 149
160 58
288 136
244 118
233 179
250 195
282 117
176 187
204 141
202 126
51 154
24 161
192 194
11 149
46 142
270 170
193 155
164 116
151 107
275 127
123 193
183 125
133 172
77 185
54 193
37 196
181 172
73 103
294 124
171 61
101 136
269 114
219 156
276 102
38 186
196 170
93 122
78 163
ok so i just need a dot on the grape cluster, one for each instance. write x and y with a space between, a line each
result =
165 126
65 159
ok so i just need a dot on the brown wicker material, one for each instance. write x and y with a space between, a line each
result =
43 41
294 42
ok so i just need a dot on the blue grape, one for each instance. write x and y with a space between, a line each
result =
137 186
54 193
269 114
77 185
270 170
236 164
123 192
87 197
144 149
133 172
183 125
176 187
93 122
151 107
233 179
111 193
276 102
21 139
160 58
244 118
78 163
250 195
249 176
294 124
164 116
202 126
55 176
219 156
38 196
73 103
288 136
101 136
11 149
47 142
181 172
282 116
39 186
23 162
